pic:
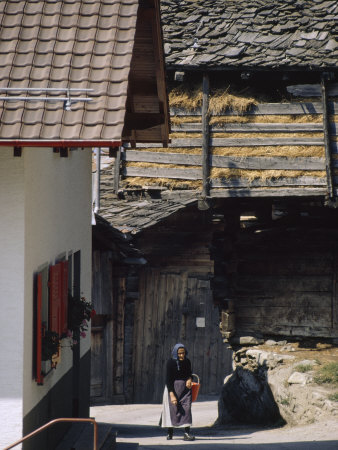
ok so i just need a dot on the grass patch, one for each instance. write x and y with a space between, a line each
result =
285 401
303 368
327 374
333 397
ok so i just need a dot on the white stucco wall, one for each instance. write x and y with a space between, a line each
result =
45 205
58 220
11 295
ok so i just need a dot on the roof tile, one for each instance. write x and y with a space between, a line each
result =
70 44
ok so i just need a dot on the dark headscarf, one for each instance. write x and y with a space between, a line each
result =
174 354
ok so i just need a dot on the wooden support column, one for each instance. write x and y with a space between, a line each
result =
328 157
203 204
230 263
117 170
334 306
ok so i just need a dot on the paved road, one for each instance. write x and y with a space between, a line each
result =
139 424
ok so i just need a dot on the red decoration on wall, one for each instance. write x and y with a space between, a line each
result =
57 312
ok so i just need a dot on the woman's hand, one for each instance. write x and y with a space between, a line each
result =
173 398
188 383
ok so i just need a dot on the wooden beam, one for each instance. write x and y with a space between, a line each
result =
269 182
253 142
246 142
328 155
154 172
235 162
268 109
206 138
311 90
268 163
17 152
334 308
252 128
117 170
269 192
63 152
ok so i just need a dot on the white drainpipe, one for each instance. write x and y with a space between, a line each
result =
97 179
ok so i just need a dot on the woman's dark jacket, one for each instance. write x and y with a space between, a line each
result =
177 370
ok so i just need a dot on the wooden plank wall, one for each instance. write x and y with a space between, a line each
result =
166 314
173 291
108 294
171 163
287 282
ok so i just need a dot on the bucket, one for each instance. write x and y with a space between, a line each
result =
195 388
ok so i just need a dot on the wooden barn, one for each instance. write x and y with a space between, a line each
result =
236 217
152 293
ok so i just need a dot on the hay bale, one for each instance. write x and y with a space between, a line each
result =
273 118
264 174
190 98
162 182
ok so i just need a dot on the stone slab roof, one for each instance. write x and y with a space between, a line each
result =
134 211
76 44
252 34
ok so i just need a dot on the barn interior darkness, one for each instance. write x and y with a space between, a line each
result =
276 267
269 86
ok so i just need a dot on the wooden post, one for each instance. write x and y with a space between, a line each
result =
205 143
334 305
328 157
117 170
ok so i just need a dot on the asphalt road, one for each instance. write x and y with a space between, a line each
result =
138 424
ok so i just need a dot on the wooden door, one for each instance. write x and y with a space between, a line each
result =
99 382
173 307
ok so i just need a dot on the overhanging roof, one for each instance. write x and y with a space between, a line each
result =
80 44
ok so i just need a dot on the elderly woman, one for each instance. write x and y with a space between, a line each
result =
177 393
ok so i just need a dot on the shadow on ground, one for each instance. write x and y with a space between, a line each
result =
209 438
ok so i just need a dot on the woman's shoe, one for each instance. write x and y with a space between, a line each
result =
188 437
169 436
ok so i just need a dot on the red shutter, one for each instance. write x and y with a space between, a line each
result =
39 376
55 297
64 297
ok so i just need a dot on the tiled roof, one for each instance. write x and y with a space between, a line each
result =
250 33
77 44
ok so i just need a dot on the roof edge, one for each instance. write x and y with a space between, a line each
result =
58 143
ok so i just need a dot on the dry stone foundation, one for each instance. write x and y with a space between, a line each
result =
266 387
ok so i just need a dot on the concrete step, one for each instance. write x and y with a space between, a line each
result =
80 436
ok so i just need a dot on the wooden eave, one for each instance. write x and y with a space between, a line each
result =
147 109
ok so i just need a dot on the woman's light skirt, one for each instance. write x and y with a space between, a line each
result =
177 415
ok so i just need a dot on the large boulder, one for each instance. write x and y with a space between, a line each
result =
246 397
